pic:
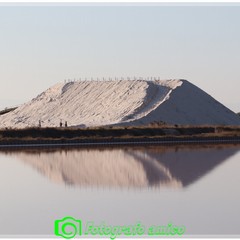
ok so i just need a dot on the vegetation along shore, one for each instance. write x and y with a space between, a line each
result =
119 135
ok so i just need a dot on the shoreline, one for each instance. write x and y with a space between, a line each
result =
119 136
141 141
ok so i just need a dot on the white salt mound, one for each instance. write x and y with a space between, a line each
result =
125 102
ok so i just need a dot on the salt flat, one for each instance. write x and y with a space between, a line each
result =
122 102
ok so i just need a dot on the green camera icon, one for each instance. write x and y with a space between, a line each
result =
68 227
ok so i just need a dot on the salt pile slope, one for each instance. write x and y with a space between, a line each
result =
95 103
189 105
86 103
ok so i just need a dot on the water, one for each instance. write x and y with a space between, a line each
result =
197 187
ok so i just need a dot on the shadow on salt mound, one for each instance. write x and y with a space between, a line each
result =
80 126
189 105
155 95
66 87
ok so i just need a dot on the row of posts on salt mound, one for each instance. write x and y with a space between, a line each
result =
112 79
60 123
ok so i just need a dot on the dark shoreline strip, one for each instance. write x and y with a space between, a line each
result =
121 142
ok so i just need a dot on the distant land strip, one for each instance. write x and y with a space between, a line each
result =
135 136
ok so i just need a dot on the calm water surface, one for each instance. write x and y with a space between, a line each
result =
197 187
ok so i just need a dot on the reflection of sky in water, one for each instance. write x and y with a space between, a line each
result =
195 187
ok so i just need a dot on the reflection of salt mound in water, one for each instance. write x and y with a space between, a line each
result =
99 168
145 167
92 103
187 165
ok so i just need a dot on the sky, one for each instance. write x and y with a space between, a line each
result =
43 45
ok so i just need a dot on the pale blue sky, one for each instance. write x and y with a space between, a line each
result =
40 46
